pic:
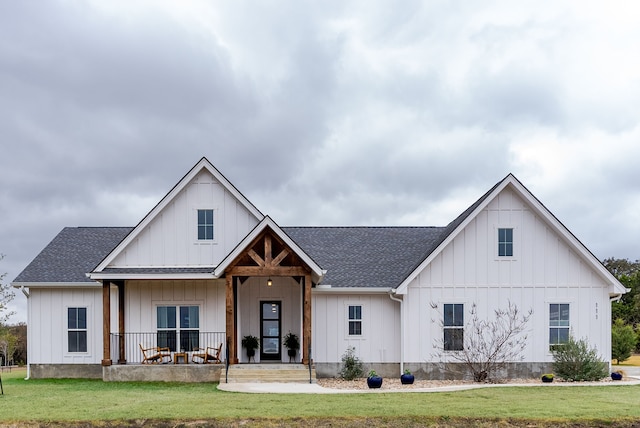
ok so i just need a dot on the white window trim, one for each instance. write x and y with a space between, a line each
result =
464 319
516 242
89 330
217 228
363 325
155 304
548 304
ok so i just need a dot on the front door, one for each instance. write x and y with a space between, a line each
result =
270 330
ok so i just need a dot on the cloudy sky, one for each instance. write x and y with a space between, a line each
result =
321 113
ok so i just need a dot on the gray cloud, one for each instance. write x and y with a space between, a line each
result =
328 114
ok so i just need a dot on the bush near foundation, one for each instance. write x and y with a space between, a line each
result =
576 361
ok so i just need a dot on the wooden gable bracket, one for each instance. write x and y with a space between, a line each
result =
252 263
258 260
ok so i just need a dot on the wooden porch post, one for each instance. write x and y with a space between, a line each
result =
121 332
231 336
306 320
106 321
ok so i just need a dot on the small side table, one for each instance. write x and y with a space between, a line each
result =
178 355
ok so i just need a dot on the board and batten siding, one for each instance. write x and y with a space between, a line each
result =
253 291
47 336
380 339
543 270
170 239
142 298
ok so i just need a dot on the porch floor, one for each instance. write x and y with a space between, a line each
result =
194 373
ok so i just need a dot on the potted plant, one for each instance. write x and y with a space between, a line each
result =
374 381
617 375
547 378
407 378
292 343
250 343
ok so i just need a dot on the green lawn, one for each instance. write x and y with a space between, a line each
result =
94 400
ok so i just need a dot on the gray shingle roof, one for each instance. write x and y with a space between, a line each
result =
352 256
366 256
72 253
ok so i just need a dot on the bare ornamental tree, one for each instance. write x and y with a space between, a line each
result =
6 296
488 345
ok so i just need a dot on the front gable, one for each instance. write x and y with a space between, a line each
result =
545 252
268 250
168 236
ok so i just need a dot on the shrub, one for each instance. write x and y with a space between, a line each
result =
623 341
576 361
351 365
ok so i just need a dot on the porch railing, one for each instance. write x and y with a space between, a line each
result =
131 343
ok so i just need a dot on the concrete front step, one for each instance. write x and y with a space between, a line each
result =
260 373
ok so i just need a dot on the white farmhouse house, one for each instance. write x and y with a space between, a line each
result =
205 267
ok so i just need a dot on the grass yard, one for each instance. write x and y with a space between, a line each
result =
162 404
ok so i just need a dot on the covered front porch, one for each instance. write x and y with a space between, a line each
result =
263 289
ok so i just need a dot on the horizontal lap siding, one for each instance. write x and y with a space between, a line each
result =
544 270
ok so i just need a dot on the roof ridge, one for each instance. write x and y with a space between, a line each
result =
364 227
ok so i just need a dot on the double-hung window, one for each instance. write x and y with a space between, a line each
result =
505 242
205 225
186 337
355 320
77 329
453 327
558 323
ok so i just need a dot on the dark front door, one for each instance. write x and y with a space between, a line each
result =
270 331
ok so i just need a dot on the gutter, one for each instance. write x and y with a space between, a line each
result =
326 288
26 293
617 297
395 299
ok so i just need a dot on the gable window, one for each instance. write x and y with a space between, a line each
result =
453 327
205 225
558 323
187 336
355 320
505 242
77 329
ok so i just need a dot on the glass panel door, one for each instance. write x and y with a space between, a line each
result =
270 331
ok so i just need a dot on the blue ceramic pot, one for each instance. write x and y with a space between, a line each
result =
374 381
407 379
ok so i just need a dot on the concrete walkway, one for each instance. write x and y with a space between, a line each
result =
632 373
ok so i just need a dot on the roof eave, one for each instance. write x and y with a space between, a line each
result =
112 276
88 284
327 289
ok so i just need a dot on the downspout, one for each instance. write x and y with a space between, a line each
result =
26 293
395 299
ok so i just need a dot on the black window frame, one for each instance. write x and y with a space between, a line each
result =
206 222
453 326
505 242
354 315
77 335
